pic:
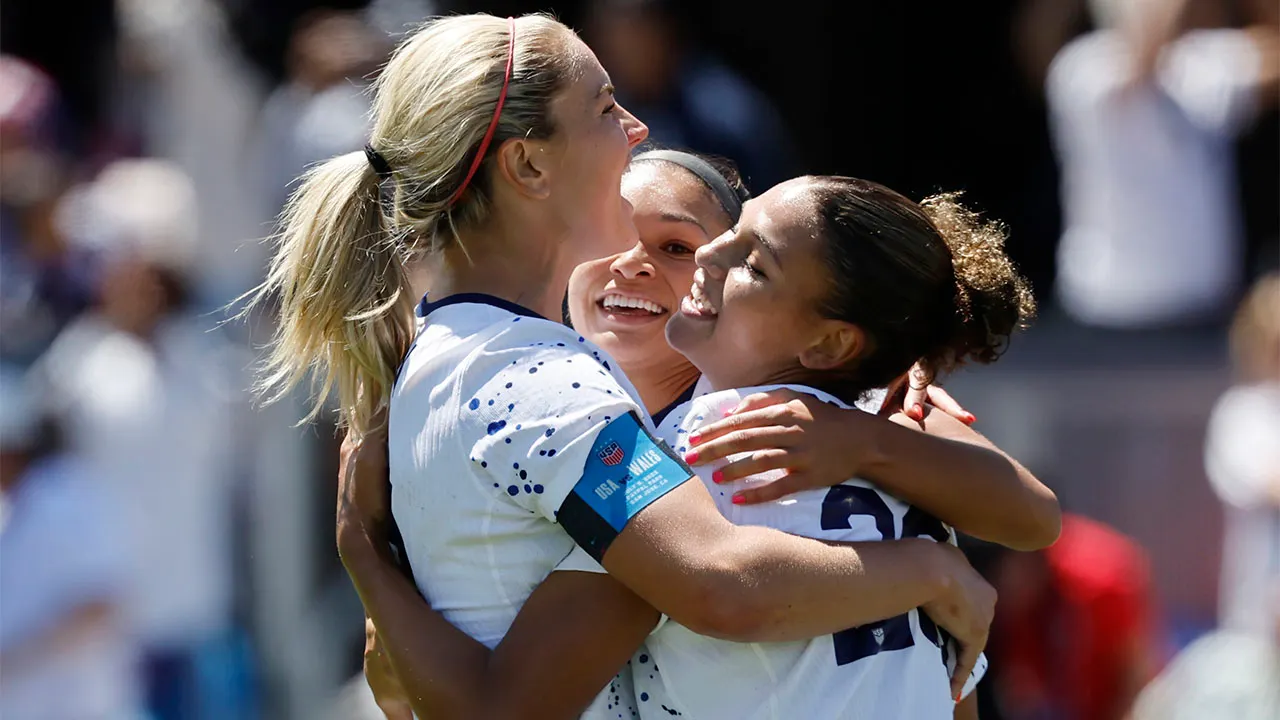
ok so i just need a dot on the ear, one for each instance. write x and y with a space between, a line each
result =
837 344
525 165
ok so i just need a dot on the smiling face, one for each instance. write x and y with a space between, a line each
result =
751 316
623 302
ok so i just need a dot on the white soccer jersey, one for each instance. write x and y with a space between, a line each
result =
896 669
491 421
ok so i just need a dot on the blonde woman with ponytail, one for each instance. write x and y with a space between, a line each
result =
493 169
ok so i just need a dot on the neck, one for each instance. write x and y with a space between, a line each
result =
660 386
520 265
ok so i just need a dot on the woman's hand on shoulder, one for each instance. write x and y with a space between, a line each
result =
817 443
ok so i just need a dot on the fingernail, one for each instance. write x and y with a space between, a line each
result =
958 696
717 477
738 499
969 419
691 458
727 413
695 438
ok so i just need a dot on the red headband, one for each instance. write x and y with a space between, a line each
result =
497 113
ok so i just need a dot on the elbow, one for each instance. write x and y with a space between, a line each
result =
1043 523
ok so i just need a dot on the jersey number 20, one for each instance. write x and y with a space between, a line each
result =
843 502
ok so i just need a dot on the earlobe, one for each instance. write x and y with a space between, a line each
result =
839 344
523 164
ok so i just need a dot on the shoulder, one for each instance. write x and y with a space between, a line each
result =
1086 68
1229 48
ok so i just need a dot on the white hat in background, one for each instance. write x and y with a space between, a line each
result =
140 207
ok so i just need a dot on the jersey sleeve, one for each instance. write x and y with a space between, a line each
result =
1213 76
535 418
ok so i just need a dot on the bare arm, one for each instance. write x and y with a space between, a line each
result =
572 636
578 628
948 470
964 479
570 639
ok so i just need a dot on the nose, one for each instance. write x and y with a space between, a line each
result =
636 130
632 264
713 257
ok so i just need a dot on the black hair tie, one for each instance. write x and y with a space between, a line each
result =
377 162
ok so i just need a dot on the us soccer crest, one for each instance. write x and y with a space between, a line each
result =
611 454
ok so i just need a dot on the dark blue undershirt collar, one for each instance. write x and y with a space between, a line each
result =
427 307
685 397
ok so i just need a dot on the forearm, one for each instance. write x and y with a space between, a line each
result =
798 588
441 668
960 477
967 709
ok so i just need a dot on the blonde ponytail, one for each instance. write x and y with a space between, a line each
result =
346 305
340 266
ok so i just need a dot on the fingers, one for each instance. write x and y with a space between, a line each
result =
755 401
772 414
913 403
942 400
768 492
770 437
969 653
757 462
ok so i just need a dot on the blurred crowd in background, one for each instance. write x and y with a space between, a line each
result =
166 543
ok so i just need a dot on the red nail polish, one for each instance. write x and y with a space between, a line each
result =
727 413
691 458
695 438
738 499
717 477
969 419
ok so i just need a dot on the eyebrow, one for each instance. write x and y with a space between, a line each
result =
669 216
768 245
606 89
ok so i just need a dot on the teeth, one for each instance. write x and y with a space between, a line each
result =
630 302
699 300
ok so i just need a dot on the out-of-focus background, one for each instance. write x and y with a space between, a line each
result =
167 549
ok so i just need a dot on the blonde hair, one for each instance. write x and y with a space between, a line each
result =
340 266
1255 331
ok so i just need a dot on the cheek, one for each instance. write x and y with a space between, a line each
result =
585 283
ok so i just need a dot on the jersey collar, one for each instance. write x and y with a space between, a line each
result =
426 307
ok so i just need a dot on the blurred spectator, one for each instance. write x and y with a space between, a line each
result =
150 394
1242 459
1226 674
1144 113
1073 637
64 650
687 97
322 108
42 285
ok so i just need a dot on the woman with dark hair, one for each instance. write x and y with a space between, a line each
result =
826 323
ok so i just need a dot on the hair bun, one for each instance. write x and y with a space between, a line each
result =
992 298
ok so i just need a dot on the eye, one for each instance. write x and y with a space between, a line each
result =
754 270
609 110
675 247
